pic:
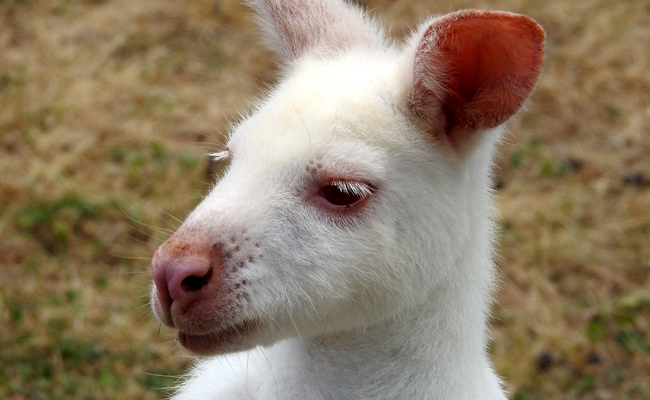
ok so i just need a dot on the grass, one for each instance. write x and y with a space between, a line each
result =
107 108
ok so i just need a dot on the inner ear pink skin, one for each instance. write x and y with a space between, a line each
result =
474 70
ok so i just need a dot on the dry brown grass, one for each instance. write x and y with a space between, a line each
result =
107 108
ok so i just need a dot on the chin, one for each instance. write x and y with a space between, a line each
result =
236 337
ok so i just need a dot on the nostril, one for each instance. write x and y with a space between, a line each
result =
195 283
184 265
185 275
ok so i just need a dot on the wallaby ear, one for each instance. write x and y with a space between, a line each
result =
293 27
473 70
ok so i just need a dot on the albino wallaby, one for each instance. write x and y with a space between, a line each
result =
347 252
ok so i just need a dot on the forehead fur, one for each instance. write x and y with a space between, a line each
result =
355 98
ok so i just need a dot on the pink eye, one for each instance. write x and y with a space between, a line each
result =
344 193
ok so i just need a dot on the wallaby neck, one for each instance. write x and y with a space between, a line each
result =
433 351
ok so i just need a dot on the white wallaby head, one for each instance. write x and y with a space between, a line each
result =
359 188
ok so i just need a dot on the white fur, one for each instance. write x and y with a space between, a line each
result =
388 303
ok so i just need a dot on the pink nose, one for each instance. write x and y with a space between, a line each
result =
181 266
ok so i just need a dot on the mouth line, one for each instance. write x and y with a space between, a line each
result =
213 342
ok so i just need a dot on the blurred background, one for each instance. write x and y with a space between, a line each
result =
108 107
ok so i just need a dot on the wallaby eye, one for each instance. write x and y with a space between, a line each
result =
337 197
344 193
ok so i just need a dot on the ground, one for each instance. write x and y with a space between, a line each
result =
108 107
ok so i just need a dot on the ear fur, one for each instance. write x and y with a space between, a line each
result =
473 70
293 27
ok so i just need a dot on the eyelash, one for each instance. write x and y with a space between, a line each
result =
220 155
353 188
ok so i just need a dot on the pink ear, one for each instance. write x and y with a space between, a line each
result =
473 70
